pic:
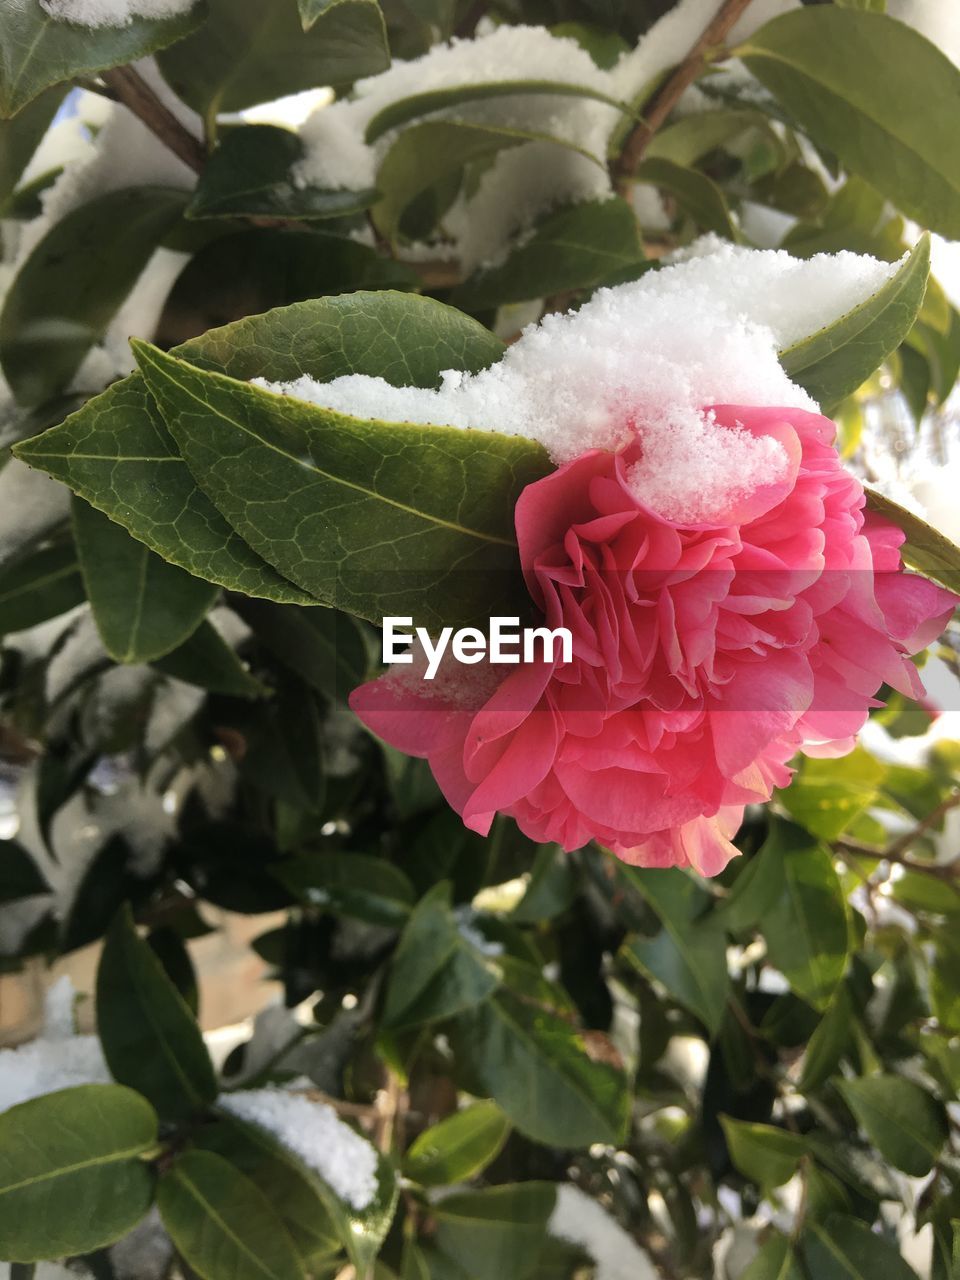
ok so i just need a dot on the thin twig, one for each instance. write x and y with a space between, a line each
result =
135 94
674 87
899 847
898 850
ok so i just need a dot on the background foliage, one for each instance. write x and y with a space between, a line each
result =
766 1062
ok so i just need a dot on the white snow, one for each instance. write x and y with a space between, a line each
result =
647 357
579 1219
314 1132
53 1061
113 13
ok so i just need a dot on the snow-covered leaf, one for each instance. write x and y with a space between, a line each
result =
926 549
869 109
37 51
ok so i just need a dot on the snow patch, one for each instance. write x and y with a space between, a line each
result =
580 1220
113 13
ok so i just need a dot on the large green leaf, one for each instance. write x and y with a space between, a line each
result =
574 248
422 104
904 1123
497 1232
67 292
767 1155
427 155
71 1180
458 1147
143 606
843 1248
926 549
20 136
37 51
835 360
115 450
375 518
250 175
887 112
44 585
150 1038
250 52
689 954
223 1224
805 923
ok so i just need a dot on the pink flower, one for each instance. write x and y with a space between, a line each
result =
705 656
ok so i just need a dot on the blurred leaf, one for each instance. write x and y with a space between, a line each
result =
926 549
763 1153
827 795
107 881
44 585
829 1042
904 1123
143 606
250 175
573 248
497 1232
115 445
835 360
20 877
433 499
774 1261
221 1222
689 139
149 1036
867 109
459 1147
696 194
322 646
37 51
552 887
70 1177
206 660
68 290
250 52
843 1248
604 47
171 950
353 884
21 135
914 381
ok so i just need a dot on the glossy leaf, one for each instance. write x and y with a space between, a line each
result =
37 51
372 517
867 110
843 1248
251 52
222 1224
149 1036
926 549
250 175
835 360
575 248
143 606
42 586
66 293
458 1147
904 1123
767 1155
71 1179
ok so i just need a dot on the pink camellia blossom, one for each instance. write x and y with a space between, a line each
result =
705 655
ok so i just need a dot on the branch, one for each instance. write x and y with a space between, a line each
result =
898 850
135 94
674 87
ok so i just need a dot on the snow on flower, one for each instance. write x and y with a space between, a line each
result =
731 603
113 13
314 1132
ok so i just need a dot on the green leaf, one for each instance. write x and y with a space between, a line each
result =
324 647
20 137
423 104
67 292
689 139
70 1177
222 1224
37 51
552 887
518 1049
766 1155
44 585
829 1042
902 1121
429 154
827 795
835 360
206 660
20 877
774 1261
574 248
869 110
688 956
115 449
375 518
844 1248
497 1232
143 606
435 972
926 549
250 52
353 884
805 925
458 1147
249 175
149 1036
696 194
